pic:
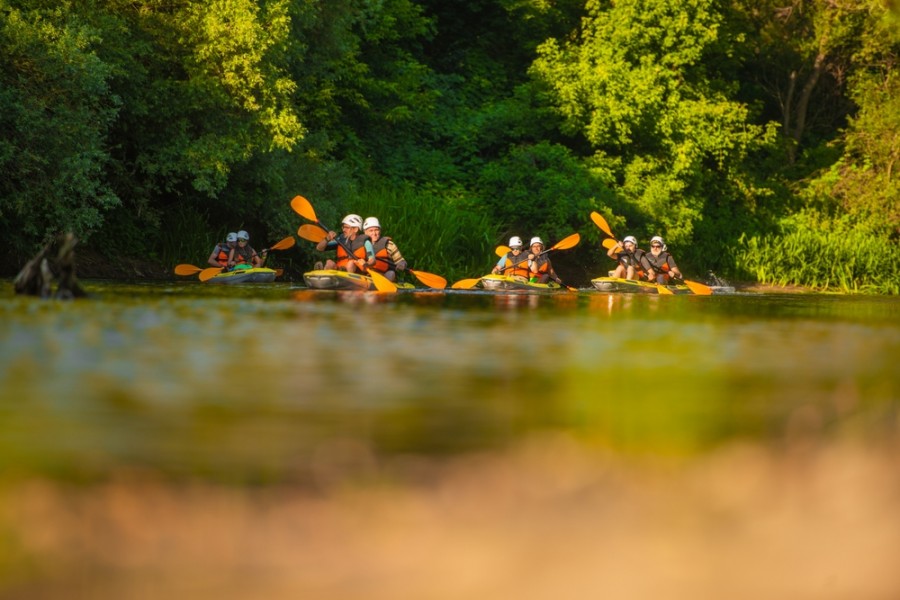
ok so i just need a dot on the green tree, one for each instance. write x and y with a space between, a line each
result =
56 109
647 84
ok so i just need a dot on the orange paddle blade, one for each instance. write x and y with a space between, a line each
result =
698 288
311 233
600 222
430 279
279 272
303 208
207 274
502 250
382 283
664 291
567 242
466 284
609 243
184 269
284 244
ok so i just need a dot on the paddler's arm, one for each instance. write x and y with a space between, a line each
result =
500 264
327 242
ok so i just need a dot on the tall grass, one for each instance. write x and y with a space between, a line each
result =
185 237
434 233
824 254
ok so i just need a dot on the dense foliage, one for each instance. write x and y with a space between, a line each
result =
760 138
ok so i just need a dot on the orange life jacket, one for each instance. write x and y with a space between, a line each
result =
243 255
382 256
222 256
543 266
516 265
357 246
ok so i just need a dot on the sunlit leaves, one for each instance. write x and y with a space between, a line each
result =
637 84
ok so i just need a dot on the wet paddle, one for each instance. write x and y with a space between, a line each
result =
205 274
185 269
698 288
429 279
466 284
303 208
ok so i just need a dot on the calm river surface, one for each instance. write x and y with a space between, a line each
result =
593 416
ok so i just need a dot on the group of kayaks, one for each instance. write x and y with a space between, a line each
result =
323 279
331 279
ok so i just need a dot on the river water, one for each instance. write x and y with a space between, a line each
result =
589 410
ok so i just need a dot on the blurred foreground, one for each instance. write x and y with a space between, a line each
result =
550 519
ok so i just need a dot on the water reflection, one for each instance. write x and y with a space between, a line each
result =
164 373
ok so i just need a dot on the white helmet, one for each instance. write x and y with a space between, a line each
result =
231 237
515 242
243 235
353 221
656 238
630 238
536 240
371 222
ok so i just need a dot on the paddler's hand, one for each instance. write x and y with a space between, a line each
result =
361 264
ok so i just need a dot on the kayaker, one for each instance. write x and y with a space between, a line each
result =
515 262
219 256
629 257
388 259
353 237
661 265
539 264
243 256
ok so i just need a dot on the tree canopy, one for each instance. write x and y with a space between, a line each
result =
151 127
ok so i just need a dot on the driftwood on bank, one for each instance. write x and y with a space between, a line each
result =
55 263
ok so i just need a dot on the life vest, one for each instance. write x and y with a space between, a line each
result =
357 246
516 265
628 259
659 263
243 255
543 266
222 254
382 256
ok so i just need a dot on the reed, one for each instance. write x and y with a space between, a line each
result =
185 236
825 256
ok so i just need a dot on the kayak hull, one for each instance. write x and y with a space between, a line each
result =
506 283
333 279
259 275
631 286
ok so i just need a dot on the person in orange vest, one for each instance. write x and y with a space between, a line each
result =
243 256
629 257
361 256
515 262
539 264
661 265
388 259
219 256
